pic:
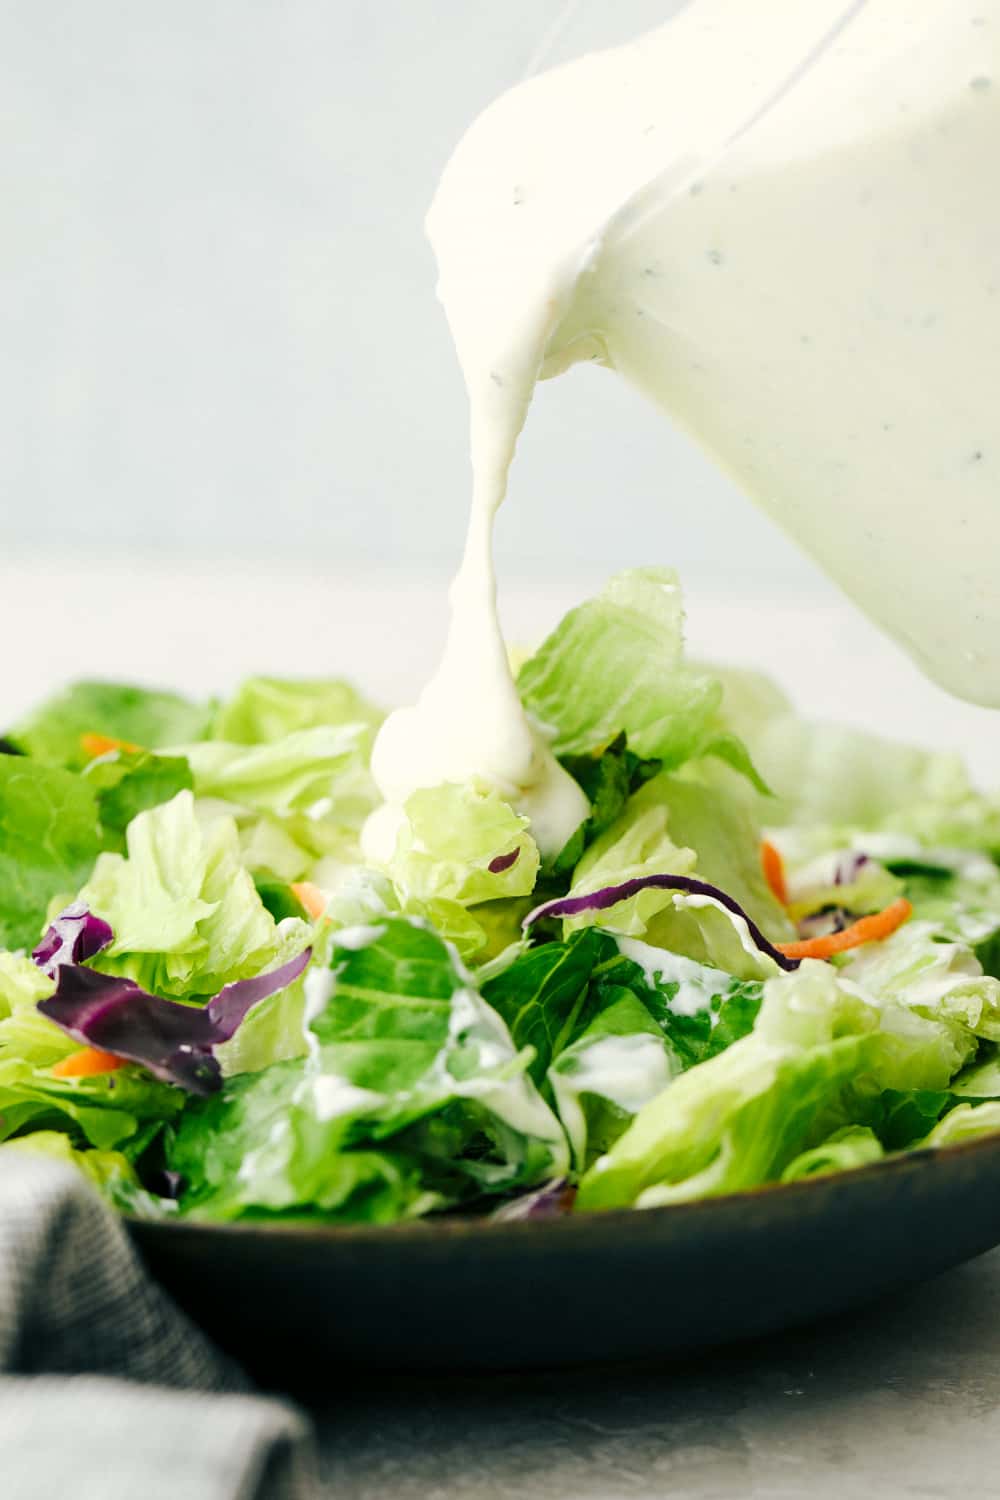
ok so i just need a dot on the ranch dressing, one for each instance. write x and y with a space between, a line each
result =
780 221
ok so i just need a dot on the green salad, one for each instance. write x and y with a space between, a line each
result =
771 950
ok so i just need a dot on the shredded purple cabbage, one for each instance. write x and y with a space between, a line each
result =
849 866
504 861
610 895
551 1201
73 937
823 923
174 1041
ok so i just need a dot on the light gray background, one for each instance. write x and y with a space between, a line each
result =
218 330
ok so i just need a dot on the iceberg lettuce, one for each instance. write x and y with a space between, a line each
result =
184 909
615 665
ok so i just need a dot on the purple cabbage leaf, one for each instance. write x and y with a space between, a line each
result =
610 895
73 937
174 1041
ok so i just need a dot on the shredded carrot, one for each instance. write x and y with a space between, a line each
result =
100 744
773 867
310 897
86 1063
866 930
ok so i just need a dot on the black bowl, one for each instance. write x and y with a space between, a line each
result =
293 1301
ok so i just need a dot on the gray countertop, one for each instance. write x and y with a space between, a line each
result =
898 1401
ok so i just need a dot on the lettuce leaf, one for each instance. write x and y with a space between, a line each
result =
915 968
611 1021
49 840
184 909
462 843
139 716
327 765
463 859
835 780
544 996
965 1123
128 782
265 709
681 825
956 890
817 1059
607 778
413 1096
852 1146
615 665
653 1016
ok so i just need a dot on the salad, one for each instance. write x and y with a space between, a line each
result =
771 950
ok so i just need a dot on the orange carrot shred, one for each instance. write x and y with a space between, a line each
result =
310 898
100 744
865 930
773 867
86 1063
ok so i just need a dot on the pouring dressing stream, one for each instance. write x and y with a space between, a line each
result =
777 221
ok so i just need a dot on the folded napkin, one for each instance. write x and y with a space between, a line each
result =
107 1391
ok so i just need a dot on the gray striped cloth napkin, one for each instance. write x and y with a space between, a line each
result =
107 1391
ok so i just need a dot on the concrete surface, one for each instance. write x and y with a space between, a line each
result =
898 1403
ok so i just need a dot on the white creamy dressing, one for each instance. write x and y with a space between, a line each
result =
697 986
628 1071
780 221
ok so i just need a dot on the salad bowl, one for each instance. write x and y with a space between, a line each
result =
301 1301
749 1012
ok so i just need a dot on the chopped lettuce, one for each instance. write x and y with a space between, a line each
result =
615 665
681 825
413 1096
818 1056
184 909
265 709
138 716
49 840
965 1123
463 859
327 766
299 799
956 890
916 968
851 1146
832 779
462 843
128 782
611 1021
607 778
631 1024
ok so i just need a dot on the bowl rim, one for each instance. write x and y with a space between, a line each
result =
480 1228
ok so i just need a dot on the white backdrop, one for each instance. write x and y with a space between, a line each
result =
218 329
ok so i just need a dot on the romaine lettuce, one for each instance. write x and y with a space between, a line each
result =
49 840
185 912
265 709
413 1096
138 716
615 665
818 1058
